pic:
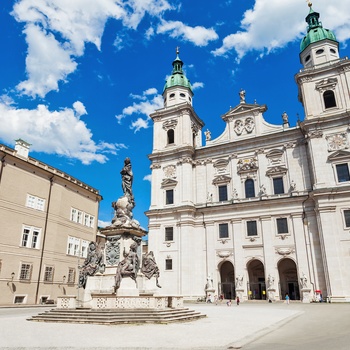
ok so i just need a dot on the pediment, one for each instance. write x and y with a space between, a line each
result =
339 155
169 183
276 170
244 109
221 179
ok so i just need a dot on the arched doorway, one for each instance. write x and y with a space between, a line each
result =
227 278
287 270
256 284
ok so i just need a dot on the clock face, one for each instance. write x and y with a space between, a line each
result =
170 171
336 142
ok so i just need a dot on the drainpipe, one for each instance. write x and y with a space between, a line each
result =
44 238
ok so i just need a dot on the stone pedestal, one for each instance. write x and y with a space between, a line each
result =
240 293
306 295
271 294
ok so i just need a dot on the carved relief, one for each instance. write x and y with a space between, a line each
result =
337 141
221 166
194 128
285 250
169 124
274 157
238 127
223 254
249 125
247 164
170 171
326 84
315 134
112 250
155 165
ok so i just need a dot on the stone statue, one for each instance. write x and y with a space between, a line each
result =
293 186
270 281
239 281
242 96
209 197
150 268
92 264
285 118
234 194
209 285
262 190
303 281
127 178
207 135
128 267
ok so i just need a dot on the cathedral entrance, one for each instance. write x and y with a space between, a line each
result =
256 284
288 279
227 281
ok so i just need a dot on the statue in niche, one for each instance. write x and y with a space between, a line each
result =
270 281
128 267
92 264
239 281
234 194
303 281
150 268
207 135
242 96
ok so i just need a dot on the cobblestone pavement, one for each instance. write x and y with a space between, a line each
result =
252 325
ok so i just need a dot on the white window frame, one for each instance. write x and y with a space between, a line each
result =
288 227
82 218
336 172
49 273
33 239
71 275
77 247
30 270
228 231
35 202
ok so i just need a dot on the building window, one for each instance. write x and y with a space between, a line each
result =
71 276
35 202
347 217
169 233
48 276
26 272
222 193
329 99
278 187
82 218
252 229
30 237
168 264
77 247
282 225
249 188
343 172
19 299
223 230
169 197
171 136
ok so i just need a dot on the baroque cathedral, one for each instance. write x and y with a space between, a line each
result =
263 210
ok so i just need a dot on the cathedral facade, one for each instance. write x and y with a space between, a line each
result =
263 210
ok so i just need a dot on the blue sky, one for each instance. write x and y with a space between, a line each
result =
78 78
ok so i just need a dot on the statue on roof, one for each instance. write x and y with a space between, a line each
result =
242 96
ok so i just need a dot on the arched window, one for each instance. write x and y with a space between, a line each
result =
249 188
329 99
170 136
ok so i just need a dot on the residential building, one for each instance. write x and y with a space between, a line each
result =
47 220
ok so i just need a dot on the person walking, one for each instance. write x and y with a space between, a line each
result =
287 298
237 300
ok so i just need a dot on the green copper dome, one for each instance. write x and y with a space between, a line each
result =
315 31
177 78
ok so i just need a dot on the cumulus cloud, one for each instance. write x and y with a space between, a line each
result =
272 24
54 132
200 36
56 32
148 178
145 104
197 85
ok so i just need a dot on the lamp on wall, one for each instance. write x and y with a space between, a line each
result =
63 281
10 283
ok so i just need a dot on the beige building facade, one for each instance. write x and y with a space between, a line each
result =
48 219
262 211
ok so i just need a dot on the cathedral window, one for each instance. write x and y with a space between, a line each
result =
171 136
222 193
169 197
329 99
282 225
252 229
278 186
223 231
343 172
168 264
249 188
169 233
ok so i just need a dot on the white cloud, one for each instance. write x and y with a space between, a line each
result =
60 132
197 85
56 32
272 24
148 178
103 224
146 104
198 35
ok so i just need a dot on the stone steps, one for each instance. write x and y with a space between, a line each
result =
120 316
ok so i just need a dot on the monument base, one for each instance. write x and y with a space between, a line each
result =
306 295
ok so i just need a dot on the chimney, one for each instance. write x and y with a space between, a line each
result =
22 148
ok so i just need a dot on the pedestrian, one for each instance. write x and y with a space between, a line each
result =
237 300
209 298
216 299
287 298
229 302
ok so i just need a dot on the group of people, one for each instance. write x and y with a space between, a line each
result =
215 299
